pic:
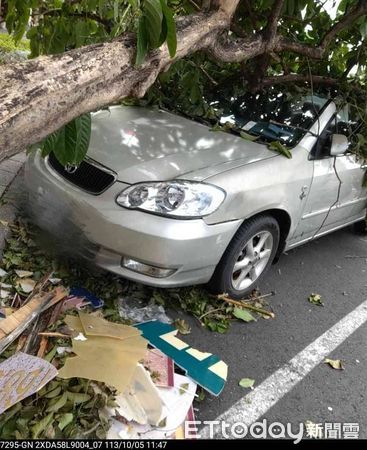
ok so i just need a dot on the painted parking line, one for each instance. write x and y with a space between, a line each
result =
254 405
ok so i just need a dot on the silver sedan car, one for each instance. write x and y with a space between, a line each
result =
166 201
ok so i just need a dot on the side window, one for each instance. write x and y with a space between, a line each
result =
343 122
322 147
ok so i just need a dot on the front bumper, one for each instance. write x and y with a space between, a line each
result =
96 228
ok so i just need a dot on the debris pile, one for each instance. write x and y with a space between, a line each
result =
95 374
152 374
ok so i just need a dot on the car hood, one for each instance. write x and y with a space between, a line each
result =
143 144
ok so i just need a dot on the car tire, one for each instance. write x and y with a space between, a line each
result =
252 249
360 227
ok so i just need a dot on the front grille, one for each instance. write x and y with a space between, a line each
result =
87 176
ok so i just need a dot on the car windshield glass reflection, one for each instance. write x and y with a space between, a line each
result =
273 116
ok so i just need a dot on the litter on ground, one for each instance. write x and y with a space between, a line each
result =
206 369
53 340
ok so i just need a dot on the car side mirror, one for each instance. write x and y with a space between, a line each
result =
339 144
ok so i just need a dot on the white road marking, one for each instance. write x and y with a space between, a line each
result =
254 405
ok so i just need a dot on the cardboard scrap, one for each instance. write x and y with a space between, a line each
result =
141 401
160 367
177 408
111 358
206 369
97 326
22 375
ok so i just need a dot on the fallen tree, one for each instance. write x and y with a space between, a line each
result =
39 96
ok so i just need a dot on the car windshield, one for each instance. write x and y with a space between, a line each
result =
271 115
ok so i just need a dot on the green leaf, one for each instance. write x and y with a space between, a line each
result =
363 29
54 393
153 14
182 326
170 27
71 143
216 127
61 401
334 363
248 137
50 355
315 299
183 388
280 148
49 144
42 425
142 44
244 315
64 420
246 382
115 10
78 398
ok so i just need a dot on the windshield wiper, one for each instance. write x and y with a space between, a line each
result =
295 127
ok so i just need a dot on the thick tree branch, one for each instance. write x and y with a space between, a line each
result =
296 78
39 96
271 28
231 51
359 10
269 37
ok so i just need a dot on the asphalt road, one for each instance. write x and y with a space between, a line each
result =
257 350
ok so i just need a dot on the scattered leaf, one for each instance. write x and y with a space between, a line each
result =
64 420
162 423
59 403
280 148
334 363
23 273
315 299
246 382
54 393
42 425
182 326
27 285
244 315
200 395
50 355
216 127
4 294
183 388
78 398
248 137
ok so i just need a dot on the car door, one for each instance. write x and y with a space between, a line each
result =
322 193
352 198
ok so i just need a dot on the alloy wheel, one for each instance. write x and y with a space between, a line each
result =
252 260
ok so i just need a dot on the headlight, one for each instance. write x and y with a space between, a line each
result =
173 198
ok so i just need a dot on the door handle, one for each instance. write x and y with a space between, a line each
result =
364 167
